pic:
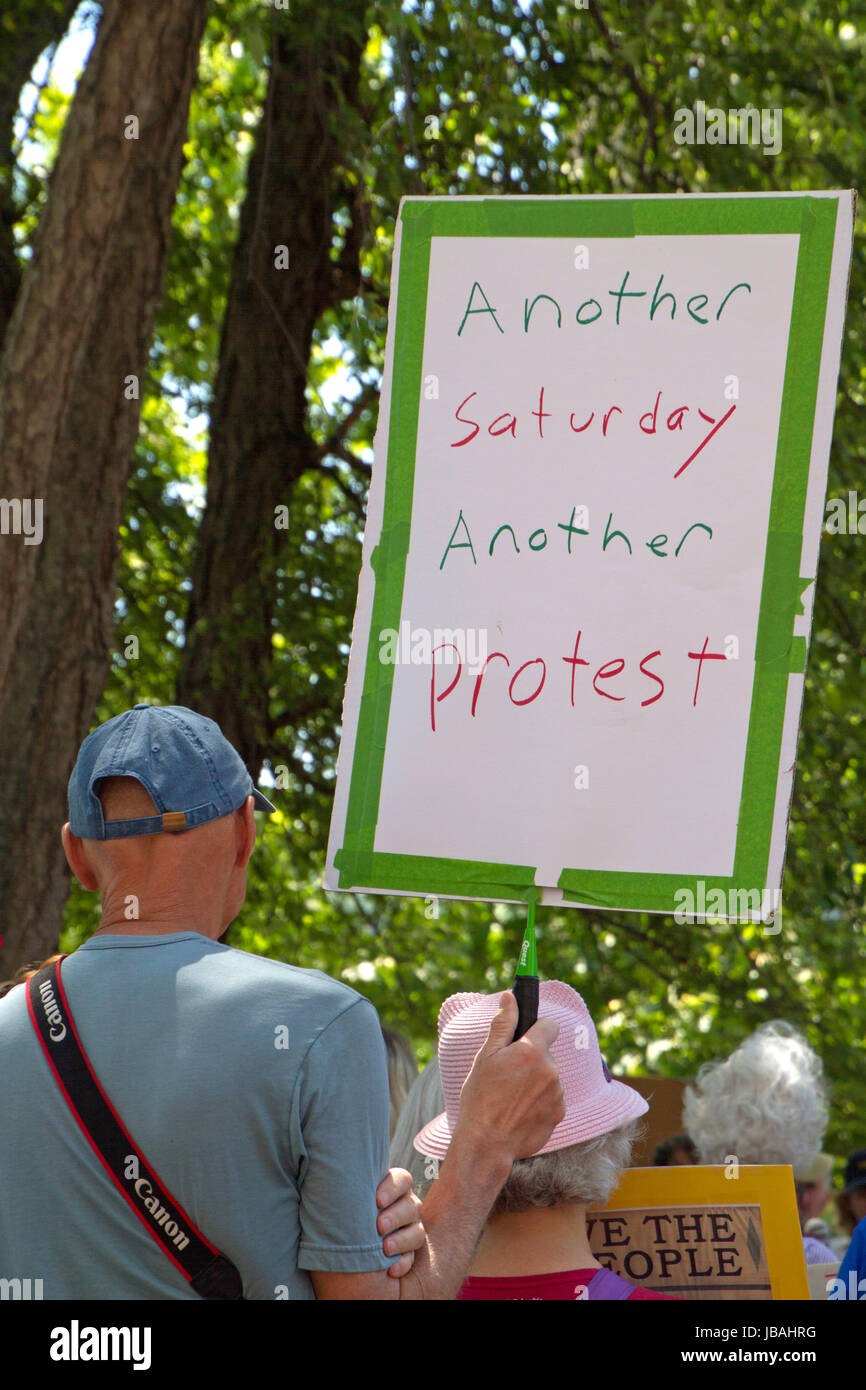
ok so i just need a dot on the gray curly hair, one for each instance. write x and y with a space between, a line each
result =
582 1173
767 1103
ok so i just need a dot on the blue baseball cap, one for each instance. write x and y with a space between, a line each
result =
192 772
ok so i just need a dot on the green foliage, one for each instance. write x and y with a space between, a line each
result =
224 112
461 96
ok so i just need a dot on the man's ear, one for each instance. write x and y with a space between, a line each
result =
245 832
73 848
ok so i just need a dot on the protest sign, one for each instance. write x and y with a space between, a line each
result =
664 1120
588 573
704 1232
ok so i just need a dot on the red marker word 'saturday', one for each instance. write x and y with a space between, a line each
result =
597 425
525 684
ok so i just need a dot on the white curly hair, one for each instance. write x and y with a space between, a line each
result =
582 1173
768 1103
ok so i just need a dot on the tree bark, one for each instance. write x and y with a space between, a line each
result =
142 64
33 26
258 442
81 326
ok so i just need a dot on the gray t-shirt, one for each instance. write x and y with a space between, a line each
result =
257 1091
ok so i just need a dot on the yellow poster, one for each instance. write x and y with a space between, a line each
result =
704 1232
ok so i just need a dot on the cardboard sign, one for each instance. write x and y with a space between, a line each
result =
664 1119
578 654
822 1280
696 1233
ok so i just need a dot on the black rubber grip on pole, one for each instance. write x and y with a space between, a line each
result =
526 994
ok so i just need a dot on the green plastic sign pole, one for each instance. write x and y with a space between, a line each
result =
526 979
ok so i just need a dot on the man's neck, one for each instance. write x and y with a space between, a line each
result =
142 928
544 1240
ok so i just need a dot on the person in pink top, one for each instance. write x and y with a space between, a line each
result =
535 1245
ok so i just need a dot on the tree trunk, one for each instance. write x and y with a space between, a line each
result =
33 27
81 326
259 445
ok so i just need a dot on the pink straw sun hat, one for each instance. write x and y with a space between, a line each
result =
594 1102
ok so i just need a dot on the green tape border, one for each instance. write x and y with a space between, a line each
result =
778 653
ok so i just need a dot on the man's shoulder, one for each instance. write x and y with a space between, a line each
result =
281 969
203 974
302 984
13 1008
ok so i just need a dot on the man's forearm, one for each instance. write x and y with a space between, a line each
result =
454 1213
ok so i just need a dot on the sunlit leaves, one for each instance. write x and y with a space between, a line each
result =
465 97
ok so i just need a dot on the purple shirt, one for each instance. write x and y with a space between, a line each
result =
818 1254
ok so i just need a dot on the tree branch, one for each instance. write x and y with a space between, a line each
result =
335 440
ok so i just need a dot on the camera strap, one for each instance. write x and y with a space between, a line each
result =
209 1272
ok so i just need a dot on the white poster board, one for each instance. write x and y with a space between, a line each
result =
578 654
